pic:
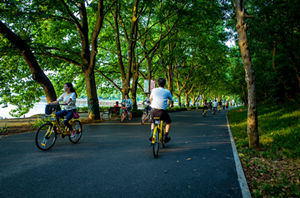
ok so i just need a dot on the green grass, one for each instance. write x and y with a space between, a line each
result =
274 170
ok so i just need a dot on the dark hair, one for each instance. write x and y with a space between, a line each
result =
161 82
70 85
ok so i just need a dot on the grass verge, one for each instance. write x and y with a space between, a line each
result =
274 170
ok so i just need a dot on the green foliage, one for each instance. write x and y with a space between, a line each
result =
4 129
193 56
39 122
279 128
273 36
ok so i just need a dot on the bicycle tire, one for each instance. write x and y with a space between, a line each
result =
79 132
156 145
37 143
163 134
155 149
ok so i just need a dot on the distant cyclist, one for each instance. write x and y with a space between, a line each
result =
159 102
127 102
210 105
220 104
215 106
205 107
147 102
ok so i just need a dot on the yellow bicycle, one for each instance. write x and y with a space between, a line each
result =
46 135
158 134
219 108
204 112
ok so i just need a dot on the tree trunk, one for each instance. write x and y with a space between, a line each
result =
293 58
252 127
135 78
170 78
187 100
37 73
283 84
244 96
91 90
179 100
194 101
149 64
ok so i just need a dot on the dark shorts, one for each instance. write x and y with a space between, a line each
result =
163 114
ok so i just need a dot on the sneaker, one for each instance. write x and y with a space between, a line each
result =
73 133
166 138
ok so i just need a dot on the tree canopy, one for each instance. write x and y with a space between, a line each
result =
108 48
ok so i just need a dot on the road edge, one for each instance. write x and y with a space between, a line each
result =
239 169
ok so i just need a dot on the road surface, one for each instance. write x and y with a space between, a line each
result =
115 160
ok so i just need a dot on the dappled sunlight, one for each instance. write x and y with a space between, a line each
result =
266 139
241 124
292 115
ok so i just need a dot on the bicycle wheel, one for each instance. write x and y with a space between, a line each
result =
204 113
45 137
78 128
162 141
156 145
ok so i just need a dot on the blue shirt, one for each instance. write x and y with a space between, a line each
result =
128 103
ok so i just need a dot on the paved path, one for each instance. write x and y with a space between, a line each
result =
116 160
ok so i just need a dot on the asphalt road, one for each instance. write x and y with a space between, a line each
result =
116 160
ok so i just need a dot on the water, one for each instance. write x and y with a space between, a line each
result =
39 108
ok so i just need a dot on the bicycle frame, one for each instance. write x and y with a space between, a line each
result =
124 112
160 135
60 129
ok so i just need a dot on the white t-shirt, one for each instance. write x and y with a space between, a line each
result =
215 104
65 98
160 97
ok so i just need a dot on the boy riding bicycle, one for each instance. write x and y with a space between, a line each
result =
159 102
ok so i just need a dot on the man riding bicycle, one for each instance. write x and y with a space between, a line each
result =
205 107
215 105
147 103
220 104
210 105
159 102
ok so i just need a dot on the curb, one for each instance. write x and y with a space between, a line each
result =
240 173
